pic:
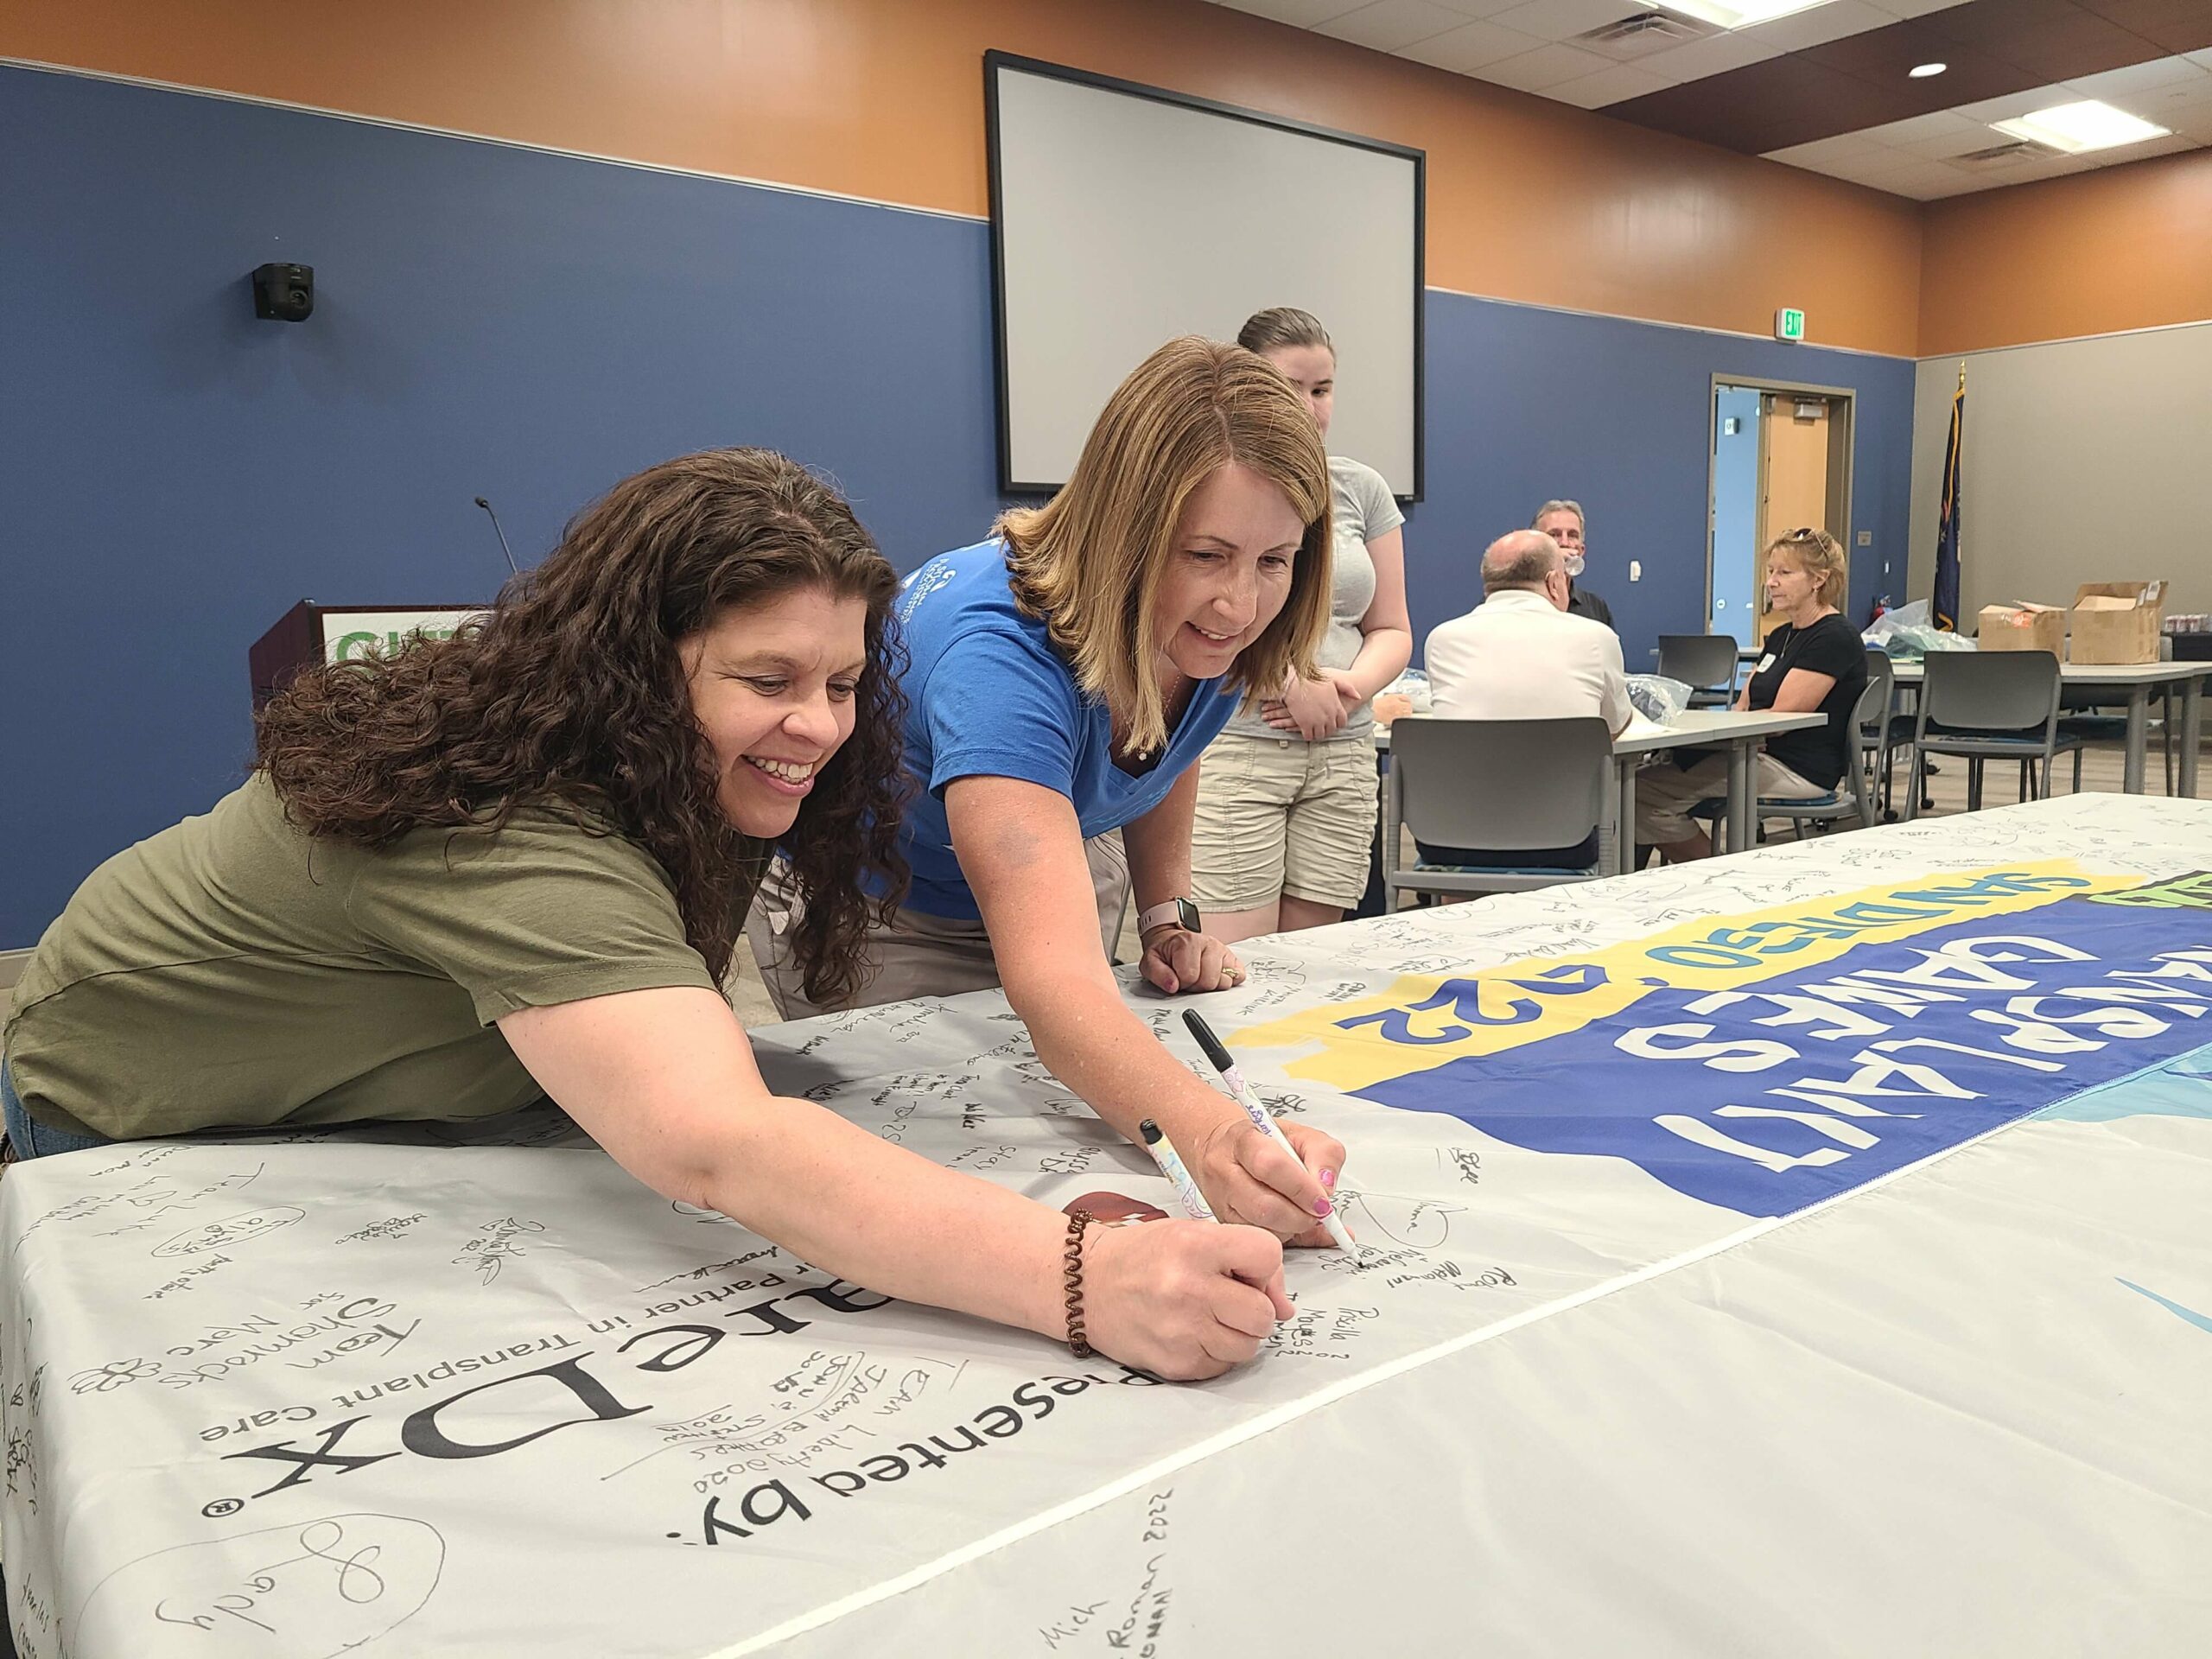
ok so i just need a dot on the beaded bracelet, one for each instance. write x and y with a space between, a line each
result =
1071 1273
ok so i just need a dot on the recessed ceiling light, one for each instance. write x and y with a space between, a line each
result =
1739 13
1921 72
2087 125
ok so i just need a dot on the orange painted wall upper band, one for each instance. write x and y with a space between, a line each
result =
1527 200
2125 247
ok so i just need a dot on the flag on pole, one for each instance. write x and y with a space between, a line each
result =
1946 601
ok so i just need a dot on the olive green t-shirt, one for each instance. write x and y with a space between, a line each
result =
233 971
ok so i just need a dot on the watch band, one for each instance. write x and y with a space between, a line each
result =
1180 911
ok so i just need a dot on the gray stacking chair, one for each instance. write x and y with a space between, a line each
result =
1883 735
1502 785
1704 661
1855 798
1985 706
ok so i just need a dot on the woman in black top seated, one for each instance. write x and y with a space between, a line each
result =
1814 662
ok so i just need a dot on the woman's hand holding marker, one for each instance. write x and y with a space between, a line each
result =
1249 1177
1183 1300
1272 1177
1293 1178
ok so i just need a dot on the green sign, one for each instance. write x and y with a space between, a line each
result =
1789 324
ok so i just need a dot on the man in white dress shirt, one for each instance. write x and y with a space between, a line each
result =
1521 655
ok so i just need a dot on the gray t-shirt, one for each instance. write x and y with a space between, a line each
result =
1363 511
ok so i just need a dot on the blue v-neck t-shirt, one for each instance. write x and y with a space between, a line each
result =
988 695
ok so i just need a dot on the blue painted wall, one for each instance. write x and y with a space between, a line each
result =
1525 404
175 474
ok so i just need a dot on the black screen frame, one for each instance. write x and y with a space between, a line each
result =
994 61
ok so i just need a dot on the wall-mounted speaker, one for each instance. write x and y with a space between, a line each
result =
283 292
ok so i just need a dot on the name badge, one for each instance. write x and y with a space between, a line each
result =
1765 663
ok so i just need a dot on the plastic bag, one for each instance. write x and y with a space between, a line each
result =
1657 698
1914 615
1408 694
1911 644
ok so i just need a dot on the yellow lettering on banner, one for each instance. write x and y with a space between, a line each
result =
1425 1020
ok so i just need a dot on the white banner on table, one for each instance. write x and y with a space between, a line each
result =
332 1394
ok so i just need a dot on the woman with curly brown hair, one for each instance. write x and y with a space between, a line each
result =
514 864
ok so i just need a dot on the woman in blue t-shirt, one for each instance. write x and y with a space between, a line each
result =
1063 679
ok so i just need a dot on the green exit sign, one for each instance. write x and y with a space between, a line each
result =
1789 324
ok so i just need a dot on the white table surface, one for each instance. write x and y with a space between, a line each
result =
1689 728
1910 673
2138 680
1572 1396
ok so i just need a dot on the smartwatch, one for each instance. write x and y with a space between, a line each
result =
1181 911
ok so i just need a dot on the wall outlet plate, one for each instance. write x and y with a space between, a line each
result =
1635 569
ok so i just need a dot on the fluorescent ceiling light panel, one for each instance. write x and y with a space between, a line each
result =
2074 128
1738 14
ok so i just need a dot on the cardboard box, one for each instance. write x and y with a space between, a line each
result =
2023 627
2117 621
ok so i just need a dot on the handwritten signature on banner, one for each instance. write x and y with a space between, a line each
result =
1424 1020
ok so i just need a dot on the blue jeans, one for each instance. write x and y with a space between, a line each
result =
34 1139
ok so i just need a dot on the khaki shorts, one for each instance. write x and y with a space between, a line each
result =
1665 794
1282 815
919 955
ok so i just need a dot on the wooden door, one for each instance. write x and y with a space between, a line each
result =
1793 478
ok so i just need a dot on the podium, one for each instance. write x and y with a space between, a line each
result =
313 632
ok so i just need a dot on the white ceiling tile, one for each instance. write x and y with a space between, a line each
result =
2174 144
1622 80
1695 59
1936 186
1302 13
2012 105
1562 20
2115 85
1388 24
1914 8
1943 146
1944 123
1822 151
2174 106
1544 68
1818 25
2202 60
1471 48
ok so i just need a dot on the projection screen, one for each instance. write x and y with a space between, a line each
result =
1122 215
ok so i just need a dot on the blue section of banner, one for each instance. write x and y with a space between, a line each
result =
2180 1088
1774 1097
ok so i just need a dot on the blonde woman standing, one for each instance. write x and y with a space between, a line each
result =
1286 794
1062 678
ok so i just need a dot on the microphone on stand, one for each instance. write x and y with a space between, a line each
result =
501 534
